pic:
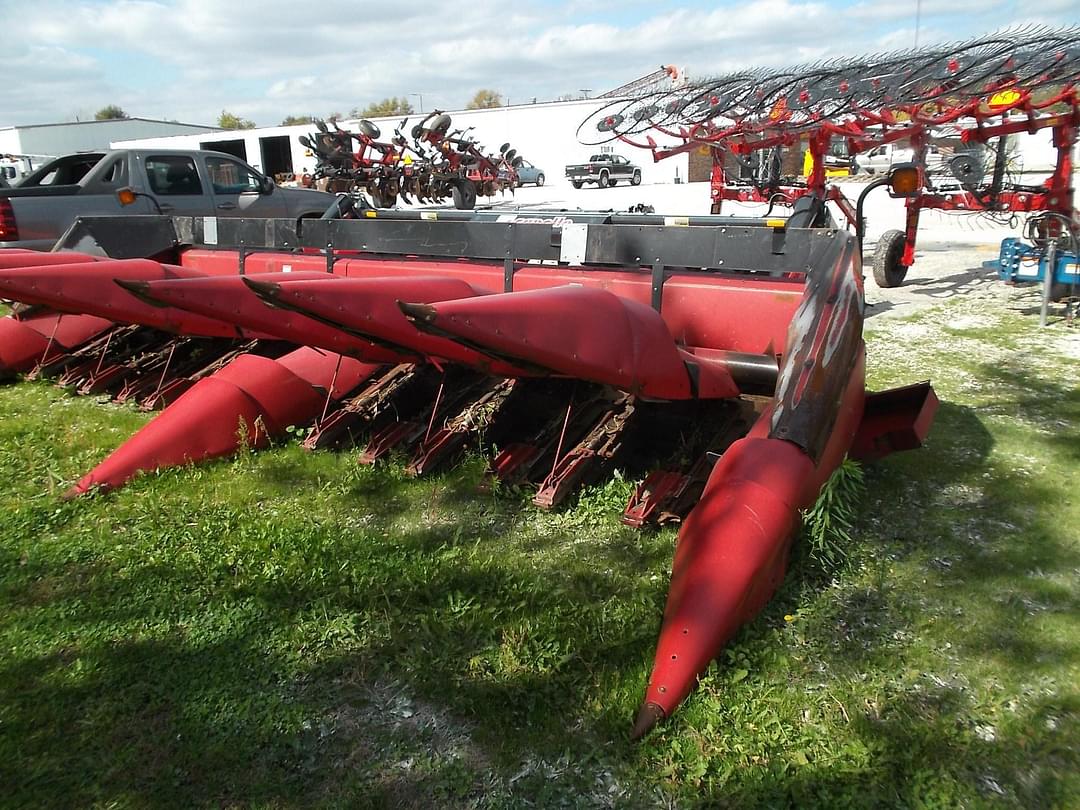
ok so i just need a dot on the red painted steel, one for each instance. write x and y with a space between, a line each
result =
15 257
579 332
252 399
88 288
24 341
368 307
700 311
229 299
732 550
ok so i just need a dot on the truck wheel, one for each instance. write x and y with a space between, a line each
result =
464 194
888 272
576 183
540 179
636 179
612 182
603 181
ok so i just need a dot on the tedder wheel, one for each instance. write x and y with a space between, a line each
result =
888 271
540 179
576 183
636 179
464 194
603 181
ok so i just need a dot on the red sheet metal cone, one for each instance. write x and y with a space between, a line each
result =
579 332
733 547
24 341
90 288
14 257
251 399
730 558
369 307
228 298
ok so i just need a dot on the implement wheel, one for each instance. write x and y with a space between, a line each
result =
888 271
464 194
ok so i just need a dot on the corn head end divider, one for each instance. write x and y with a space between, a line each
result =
720 360
977 92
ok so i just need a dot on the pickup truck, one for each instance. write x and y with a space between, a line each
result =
604 170
40 209
881 158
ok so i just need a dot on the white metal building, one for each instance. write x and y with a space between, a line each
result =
544 134
53 140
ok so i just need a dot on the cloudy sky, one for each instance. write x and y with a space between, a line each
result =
190 59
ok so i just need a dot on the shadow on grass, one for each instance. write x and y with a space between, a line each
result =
980 555
399 662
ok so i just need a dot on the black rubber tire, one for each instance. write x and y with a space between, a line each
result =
603 181
636 179
368 129
540 179
576 183
888 271
464 194
612 182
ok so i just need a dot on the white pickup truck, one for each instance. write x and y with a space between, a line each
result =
880 158
42 207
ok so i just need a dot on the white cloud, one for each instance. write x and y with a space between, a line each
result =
189 59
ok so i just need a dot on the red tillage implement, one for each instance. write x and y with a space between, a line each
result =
723 358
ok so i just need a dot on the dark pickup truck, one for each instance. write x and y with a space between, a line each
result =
604 170
35 213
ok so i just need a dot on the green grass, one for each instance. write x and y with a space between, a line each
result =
289 629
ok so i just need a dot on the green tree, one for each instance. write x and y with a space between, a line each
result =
484 100
110 113
229 121
293 120
386 108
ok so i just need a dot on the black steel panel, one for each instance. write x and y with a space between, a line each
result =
120 237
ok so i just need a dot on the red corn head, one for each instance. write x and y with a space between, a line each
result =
580 332
251 400
368 307
28 340
15 257
229 299
89 288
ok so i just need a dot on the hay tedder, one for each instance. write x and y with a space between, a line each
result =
978 92
436 165
718 360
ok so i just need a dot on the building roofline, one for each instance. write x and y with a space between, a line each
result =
113 121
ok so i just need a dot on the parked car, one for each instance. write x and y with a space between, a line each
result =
183 182
604 170
881 158
528 173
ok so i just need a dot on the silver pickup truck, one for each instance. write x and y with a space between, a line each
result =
36 212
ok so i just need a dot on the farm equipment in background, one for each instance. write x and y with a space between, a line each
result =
438 164
719 360
983 91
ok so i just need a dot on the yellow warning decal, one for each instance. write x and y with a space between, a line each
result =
776 223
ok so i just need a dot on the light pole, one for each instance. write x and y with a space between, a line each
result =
421 97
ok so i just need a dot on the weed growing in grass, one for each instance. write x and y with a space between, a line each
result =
827 524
